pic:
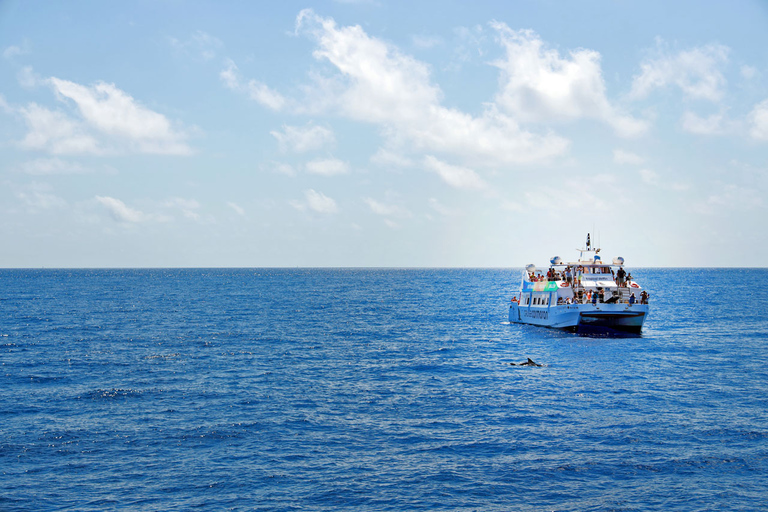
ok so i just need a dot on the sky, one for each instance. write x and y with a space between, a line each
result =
382 134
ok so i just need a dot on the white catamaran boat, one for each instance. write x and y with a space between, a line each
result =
584 295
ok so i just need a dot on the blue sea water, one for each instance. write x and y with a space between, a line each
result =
374 389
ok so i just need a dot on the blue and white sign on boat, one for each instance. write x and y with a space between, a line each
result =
582 295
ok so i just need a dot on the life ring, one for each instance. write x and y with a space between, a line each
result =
563 284
634 285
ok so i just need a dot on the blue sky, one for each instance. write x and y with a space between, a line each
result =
374 133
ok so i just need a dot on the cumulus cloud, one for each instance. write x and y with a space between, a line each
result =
316 201
112 112
539 85
300 139
378 84
696 72
758 121
55 132
455 176
327 167
254 89
105 120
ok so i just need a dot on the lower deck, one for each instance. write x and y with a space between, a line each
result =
622 316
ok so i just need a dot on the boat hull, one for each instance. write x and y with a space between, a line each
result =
582 317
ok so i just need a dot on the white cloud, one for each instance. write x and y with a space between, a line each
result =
748 72
202 43
255 90
512 206
386 158
15 50
55 132
712 125
27 78
283 168
439 207
316 201
457 177
652 178
300 139
238 209
626 157
380 85
120 212
38 196
649 177
4 106
111 111
188 207
538 85
731 197
758 121
327 167
696 72
426 42
386 209
51 166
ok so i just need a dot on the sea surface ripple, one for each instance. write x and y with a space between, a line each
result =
374 389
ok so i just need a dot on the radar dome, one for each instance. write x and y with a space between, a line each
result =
618 261
556 260
530 268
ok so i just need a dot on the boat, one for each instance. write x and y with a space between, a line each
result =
587 295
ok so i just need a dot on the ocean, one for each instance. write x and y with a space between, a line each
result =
374 389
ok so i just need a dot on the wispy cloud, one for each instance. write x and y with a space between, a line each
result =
301 139
621 156
696 72
39 196
255 90
317 202
120 212
52 166
455 176
199 43
327 167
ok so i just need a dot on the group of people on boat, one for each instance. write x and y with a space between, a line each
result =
573 275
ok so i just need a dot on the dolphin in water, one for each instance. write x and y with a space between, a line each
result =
529 362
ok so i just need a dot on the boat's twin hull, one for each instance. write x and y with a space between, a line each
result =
620 317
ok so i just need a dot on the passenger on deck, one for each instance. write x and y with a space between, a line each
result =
620 276
644 297
594 299
631 298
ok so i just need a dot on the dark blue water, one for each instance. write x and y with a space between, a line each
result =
264 389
